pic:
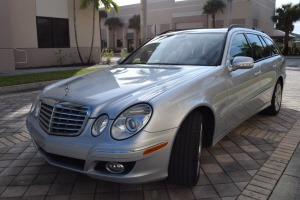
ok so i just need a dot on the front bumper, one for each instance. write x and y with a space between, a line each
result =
86 152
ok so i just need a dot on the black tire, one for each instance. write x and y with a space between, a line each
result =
184 165
276 100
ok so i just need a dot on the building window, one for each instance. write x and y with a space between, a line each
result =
103 43
119 43
52 32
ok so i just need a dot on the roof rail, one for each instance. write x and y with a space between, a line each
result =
243 26
174 30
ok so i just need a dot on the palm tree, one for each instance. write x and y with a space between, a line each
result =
75 31
212 7
102 14
96 6
143 14
135 23
284 18
113 24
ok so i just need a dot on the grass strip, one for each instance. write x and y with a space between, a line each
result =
40 77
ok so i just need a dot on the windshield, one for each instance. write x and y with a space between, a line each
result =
180 49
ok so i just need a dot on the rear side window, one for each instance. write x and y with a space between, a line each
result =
258 49
267 50
272 48
239 47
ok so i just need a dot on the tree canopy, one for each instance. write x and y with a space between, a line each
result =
211 7
135 23
284 18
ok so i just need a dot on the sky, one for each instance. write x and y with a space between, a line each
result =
278 4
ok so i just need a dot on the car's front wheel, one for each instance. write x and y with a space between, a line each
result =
184 166
276 100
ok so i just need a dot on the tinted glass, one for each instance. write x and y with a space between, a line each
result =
257 46
272 47
239 47
181 49
52 32
267 51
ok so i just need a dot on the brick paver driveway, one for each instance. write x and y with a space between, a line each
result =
246 164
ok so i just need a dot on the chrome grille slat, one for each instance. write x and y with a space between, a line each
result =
45 112
45 107
68 119
43 126
63 113
63 128
44 122
68 124
46 117
63 118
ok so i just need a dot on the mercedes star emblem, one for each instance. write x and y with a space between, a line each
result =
67 89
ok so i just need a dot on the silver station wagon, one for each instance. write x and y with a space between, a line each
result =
147 118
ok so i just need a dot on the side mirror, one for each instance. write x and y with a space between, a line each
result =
240 62
120 60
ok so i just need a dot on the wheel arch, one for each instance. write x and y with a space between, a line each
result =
209 123
280 78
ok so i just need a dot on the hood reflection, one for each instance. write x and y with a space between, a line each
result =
146 75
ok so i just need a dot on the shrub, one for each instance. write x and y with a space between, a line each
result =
59 57
107 55
123 54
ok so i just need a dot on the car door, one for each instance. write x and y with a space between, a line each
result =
269 70
243 84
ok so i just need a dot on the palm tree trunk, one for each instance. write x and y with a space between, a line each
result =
143 14
93 33
286 43
230 13
75 30
114 32
137 39
207 20
100 33
213 17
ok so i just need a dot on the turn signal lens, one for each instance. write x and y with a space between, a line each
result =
155 148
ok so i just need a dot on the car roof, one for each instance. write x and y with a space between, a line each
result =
215 30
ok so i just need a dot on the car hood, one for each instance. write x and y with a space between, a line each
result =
120 86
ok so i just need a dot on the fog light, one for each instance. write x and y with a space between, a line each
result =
115 167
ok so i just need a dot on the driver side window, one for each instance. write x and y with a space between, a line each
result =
239 47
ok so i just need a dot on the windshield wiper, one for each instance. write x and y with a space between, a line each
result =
163 64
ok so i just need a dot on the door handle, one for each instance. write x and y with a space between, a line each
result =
257 73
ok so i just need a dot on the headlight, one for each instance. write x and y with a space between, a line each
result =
99 125
131 121
35 102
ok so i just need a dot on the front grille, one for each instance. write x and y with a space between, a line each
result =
63 118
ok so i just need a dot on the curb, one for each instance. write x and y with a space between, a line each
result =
292 57
28 86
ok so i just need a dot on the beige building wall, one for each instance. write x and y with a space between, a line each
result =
23 23
262 11
53 8
6 45
19 30
173 14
